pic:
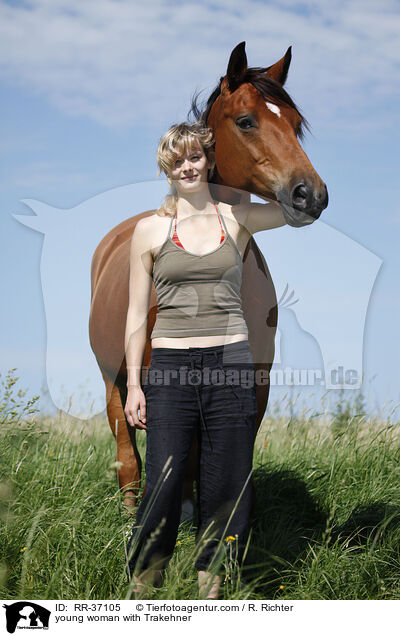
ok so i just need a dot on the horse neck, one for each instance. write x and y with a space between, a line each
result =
221 192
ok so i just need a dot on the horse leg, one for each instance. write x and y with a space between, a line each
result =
129 474
127 453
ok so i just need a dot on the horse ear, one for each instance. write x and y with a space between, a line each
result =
237 66
279 71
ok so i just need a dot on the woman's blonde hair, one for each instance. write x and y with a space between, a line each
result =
179 139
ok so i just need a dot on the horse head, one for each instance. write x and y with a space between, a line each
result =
257 128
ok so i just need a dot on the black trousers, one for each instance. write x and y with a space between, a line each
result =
209 392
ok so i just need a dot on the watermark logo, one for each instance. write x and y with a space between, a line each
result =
323 279
26 615
301 360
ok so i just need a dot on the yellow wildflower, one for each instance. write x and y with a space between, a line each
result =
230 539
281 587
23 549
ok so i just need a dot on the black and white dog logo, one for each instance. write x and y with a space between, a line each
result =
26 615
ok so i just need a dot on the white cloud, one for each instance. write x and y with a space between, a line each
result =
121 63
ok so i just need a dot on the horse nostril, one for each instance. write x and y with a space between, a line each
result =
299 196
302 191
325 198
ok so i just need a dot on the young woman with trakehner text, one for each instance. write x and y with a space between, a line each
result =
192 249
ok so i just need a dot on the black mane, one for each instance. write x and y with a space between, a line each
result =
269 89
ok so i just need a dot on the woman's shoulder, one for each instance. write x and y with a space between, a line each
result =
153 221
150 230
153 217
233 213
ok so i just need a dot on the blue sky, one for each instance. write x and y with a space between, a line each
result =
88 89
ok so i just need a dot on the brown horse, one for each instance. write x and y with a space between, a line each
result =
256 127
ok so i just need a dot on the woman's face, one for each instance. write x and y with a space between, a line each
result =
190 170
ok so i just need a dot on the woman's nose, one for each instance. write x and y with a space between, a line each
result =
187 164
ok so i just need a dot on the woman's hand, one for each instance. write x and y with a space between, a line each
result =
134 402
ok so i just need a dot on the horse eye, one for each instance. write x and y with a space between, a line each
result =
245 123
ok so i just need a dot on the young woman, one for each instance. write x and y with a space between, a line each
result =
192 248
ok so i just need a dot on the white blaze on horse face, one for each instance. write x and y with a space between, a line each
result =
274 108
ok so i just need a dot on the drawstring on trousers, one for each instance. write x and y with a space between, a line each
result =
222 369
194 356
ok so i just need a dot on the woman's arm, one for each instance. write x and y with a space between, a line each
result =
259 216
140 267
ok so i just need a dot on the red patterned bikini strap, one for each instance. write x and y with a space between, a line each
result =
222 227
175 237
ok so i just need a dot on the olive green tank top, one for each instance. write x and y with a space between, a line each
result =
198 295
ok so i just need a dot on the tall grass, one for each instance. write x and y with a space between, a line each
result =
326 523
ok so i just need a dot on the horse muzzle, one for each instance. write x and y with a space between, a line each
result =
303 204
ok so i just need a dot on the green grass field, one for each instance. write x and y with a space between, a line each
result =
326 524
